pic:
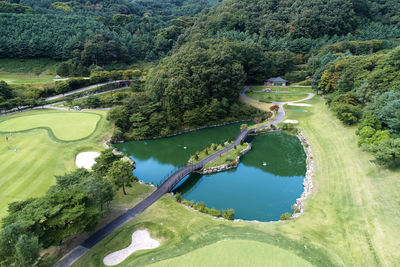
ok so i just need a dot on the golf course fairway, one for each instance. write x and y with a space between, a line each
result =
350 219
66 126
31 158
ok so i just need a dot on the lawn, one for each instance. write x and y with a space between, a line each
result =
237 253
202 154
351 219
65 126
17 71
29 171
255 103
290 88
227 157
277 96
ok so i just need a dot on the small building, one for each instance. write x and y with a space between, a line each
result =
277 81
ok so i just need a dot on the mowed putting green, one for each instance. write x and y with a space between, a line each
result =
236 253
31 158
65 126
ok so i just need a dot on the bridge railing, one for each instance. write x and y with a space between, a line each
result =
179 172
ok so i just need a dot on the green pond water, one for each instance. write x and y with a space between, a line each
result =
254 191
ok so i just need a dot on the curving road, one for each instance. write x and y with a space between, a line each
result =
84 89
164 188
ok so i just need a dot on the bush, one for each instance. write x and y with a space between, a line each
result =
243 126
295 76
228 214
200 207
214 212
178 197
286 216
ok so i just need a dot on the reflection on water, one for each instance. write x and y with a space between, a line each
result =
255 191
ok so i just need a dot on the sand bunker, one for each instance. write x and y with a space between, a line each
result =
86 159
291 121
299 104
140 240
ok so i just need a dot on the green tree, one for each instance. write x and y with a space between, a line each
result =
120 173
387 152
5 91
27 250
105 161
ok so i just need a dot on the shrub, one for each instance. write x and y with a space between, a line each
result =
295 76
234 147
241 142
274 108
214 147
243 126
228 214
286 216
200 207
214 212
178 197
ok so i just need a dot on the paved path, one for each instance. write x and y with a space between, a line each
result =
83 89
51 106
165 187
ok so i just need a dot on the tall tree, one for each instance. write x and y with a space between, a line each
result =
121 175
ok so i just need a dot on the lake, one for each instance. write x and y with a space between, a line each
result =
254 190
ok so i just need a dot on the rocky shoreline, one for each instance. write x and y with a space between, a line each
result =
225 167
307 183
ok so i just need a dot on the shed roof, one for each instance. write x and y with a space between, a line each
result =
276 79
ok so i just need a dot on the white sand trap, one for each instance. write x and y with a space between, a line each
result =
299 104
86 159
140 240
291 121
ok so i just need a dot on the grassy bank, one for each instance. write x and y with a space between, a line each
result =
18 71
351 219
38 149
227 157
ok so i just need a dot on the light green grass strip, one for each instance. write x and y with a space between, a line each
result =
66 126
236 253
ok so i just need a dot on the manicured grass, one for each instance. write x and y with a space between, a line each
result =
65 125
256 104
29 171
17 71
351 219
237 253
202 154
277 96
17 78
227 157
291 88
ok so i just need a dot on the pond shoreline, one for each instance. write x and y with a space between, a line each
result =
307 183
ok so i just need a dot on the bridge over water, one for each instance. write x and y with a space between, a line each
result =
164 188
